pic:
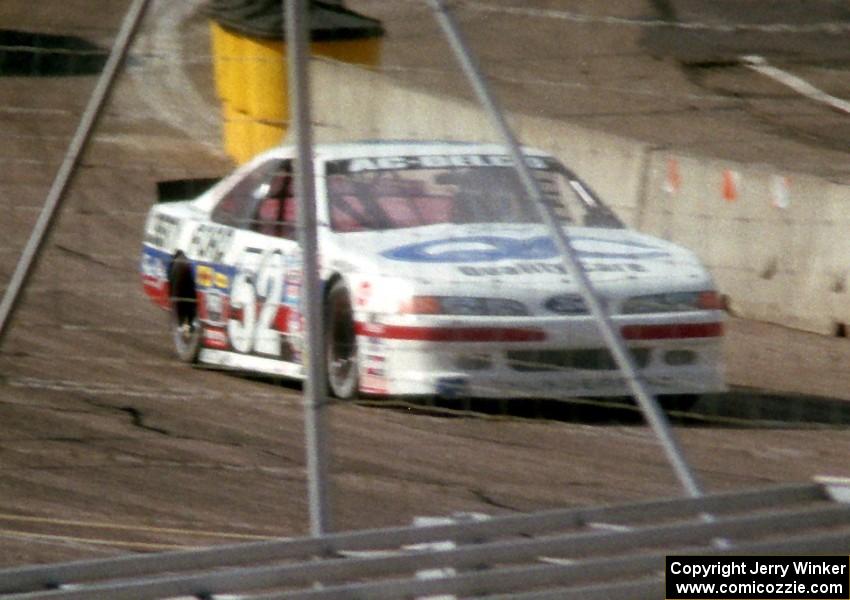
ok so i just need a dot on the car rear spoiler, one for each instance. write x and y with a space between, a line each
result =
183 189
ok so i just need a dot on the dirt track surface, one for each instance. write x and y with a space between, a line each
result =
108 445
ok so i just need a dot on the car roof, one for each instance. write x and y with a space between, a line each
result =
369 149
378 148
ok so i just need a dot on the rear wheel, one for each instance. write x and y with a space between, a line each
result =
340 342
186 327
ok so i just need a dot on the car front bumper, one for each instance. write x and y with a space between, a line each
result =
545 358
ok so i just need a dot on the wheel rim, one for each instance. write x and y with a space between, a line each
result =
187 328
184 331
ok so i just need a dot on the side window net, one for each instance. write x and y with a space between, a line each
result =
275 208
236 208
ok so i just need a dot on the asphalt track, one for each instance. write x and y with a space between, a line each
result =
668 72
107 445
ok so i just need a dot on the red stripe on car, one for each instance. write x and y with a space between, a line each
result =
672 331
158 290
450 334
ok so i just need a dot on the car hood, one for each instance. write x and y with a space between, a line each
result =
521 256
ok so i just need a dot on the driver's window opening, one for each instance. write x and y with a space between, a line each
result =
275 204
275 212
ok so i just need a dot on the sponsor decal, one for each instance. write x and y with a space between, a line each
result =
292 293
210 243
491 248
437 161
215 338
222 280
153 268
155 276
535 268
363 294
375 344
374 365
372 384
161 231
292 282
294 322
204 276
214 306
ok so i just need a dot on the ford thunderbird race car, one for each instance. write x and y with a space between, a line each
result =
438 278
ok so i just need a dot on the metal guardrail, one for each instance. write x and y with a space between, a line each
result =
612 552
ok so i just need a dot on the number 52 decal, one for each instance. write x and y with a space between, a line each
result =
257 296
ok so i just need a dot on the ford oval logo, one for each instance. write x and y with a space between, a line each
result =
566 304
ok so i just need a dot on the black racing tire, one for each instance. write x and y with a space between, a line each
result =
340 343
186 327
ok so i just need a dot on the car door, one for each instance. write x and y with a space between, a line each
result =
263 316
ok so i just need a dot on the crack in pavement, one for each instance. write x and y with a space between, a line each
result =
87 257
137 418
490 501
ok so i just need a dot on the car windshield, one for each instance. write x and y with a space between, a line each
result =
369 194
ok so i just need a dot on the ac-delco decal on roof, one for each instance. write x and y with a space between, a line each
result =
436 161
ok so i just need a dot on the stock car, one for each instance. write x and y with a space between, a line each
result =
438 278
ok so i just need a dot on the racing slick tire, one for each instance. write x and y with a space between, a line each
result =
186 327
340 343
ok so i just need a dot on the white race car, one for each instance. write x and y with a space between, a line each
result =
438 278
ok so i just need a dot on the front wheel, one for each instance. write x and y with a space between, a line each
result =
340 343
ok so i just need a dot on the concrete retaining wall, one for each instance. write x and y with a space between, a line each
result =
779 249
777 243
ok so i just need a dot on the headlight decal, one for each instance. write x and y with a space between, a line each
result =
566 304
464 306
672 302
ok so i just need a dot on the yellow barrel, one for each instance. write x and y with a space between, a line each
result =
236 91
227 65
266 134
221 62
251 81
265 79
238 130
